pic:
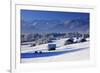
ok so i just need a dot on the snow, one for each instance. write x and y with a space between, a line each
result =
72 56
28 48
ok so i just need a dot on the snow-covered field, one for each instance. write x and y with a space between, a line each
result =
82 54
28 48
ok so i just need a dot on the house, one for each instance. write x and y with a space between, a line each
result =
69 41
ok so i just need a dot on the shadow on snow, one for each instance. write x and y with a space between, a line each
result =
47 54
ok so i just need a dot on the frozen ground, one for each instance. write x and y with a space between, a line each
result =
71 56
27 48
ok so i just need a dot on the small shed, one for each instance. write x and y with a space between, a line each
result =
51 47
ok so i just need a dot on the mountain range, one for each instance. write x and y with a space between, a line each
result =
39 26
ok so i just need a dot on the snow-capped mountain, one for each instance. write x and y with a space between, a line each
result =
38 25
78 25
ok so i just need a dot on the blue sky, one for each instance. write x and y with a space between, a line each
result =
51 15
